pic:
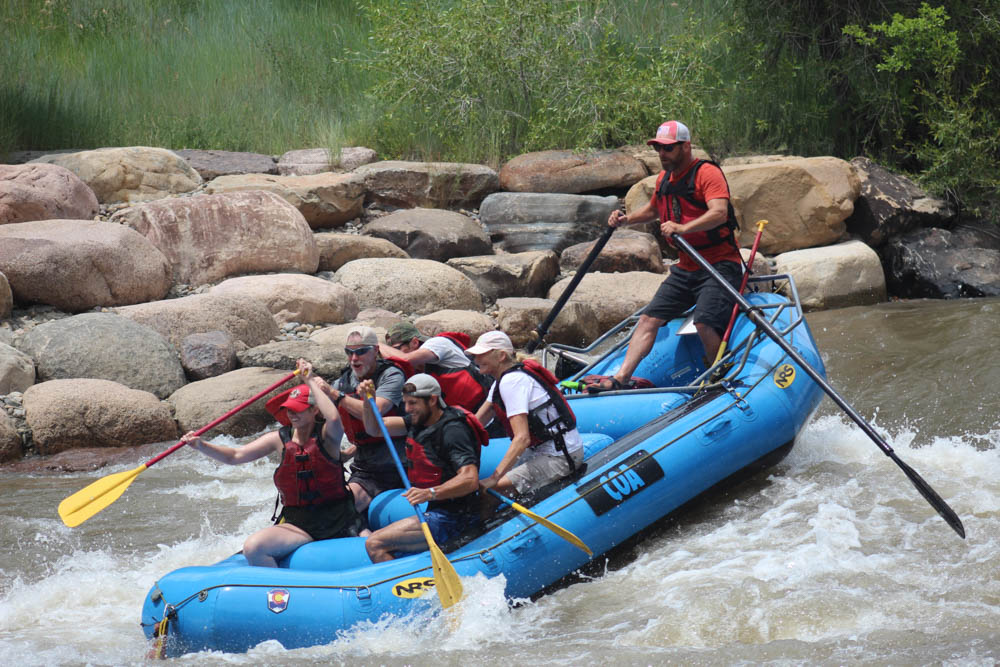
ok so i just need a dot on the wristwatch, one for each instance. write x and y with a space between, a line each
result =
434 494
340 397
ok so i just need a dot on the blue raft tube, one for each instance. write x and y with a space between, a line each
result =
647 453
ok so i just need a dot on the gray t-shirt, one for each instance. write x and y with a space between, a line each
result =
449 354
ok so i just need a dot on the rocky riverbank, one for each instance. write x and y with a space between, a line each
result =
144 291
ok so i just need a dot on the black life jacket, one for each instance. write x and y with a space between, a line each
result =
422 471
307 475
685 190
540 430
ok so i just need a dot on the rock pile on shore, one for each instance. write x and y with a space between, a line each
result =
144 292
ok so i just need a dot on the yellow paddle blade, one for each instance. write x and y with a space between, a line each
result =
449 588
91 499
555 528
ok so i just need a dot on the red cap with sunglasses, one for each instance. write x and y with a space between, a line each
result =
671 132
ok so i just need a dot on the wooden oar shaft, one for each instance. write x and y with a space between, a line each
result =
543 328
942 508
554 527
215 422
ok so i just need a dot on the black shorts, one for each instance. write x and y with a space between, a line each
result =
324 522
375 482
683 289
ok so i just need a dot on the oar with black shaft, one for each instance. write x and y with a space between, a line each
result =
743 286
539 333
923 487
446 581
555 528
94 497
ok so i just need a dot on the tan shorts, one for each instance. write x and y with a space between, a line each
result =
535 469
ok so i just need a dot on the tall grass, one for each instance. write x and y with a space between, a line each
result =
239 75
510 76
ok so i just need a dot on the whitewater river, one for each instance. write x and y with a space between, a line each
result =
830 558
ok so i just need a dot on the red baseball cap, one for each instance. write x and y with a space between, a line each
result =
671 132
295 399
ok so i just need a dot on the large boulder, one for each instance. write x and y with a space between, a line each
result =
521 221
336 249
211 237
244 318
426 233
295 297
938 263
131 174
76 265
613 296
468 322
576 324
324 200
571 172
307 161
805 201
43 192
6 297
837 276
107 347
205 355
409 285
891 204
17 370
199 403
10 439
510 274
328 360
212 164
430 184
637 197
335 337
68 414
626 250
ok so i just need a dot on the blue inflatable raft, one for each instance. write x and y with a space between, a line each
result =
648 452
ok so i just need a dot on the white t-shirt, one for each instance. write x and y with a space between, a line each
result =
449 354
520 392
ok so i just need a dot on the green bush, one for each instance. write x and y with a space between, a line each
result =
485 79
947 128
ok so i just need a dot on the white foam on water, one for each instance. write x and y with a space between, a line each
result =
834 557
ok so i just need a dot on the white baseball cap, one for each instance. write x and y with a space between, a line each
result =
492 340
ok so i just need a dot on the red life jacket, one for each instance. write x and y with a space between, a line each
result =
677 202
307 475
424 473
540 430
459 338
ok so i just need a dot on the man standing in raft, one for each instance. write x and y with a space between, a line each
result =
443 358
545 444
310 476
691 199
442 463
373 470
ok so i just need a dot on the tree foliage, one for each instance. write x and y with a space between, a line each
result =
487 78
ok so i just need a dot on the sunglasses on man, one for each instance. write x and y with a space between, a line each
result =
666 148
358 351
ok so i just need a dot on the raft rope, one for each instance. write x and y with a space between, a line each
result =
170 611
203 593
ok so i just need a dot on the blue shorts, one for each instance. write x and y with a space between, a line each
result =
445 525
